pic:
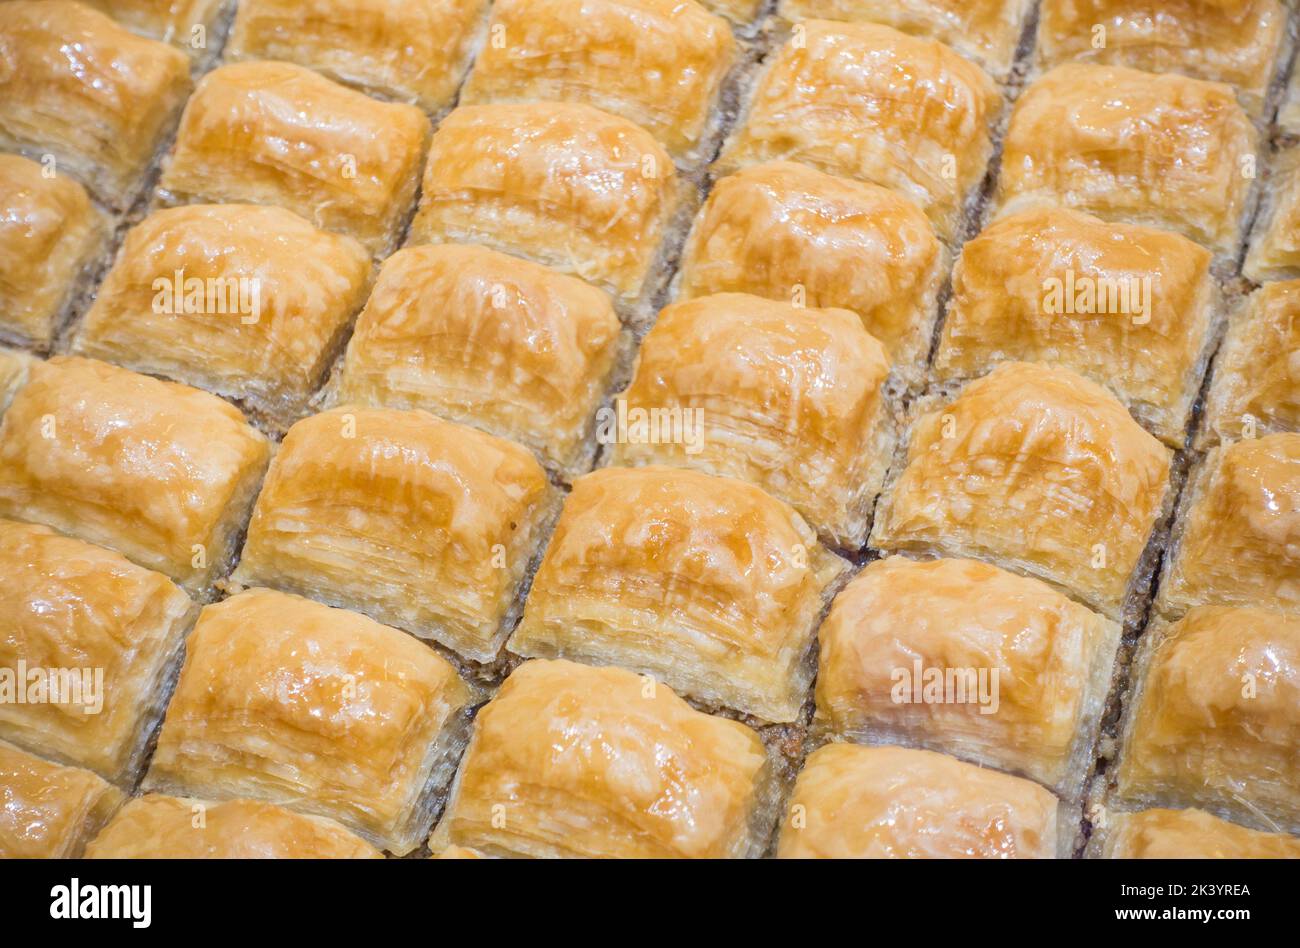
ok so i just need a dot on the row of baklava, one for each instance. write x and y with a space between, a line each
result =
797 453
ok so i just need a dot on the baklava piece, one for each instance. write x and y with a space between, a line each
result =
1232 41
1256 385
659 63
1189 834
573 761
192 25
98 636
564 184
1238 539
413 51
1275 247
48 811
705 582
161 827
864 101
788 398
488 340
962 657
855 802
1132 308
987 31
1038 470
15 369
789 232
85 93
49 234
276 133
1214 717
1135 147
1132 146
288 701
161 472
246 301
417 522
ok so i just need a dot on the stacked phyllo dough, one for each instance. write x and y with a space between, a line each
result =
649 429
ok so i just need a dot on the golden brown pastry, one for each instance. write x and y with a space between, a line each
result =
89 642
48 811
1275 247
418 522
15 368
574 761
785 397
1189 834
49 233
458 852
284 700
189 24
1038 470
246 301
1236 41
408 50
659 63
1238 540
707 583
865 101
79 88
962 657
161 472
789 232
1130 307
276 133
564 184
1132 146
1214 717
985 30
855 802
161 827
489 340
1256 383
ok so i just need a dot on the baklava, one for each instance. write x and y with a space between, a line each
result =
90 641
788 398
574 761
1187 834
1134 147
705 582
50 232
965 658
413 51
84 95
161 827
659 63
855 802
790 232
1237 541
193 25
864 101
1233 41
277 133
418 522
1132 308
15 368
564 184
1256 385
1039 470
326 711
987 31
161 472
488 340
1275 246
1214 717
246 301
48 811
